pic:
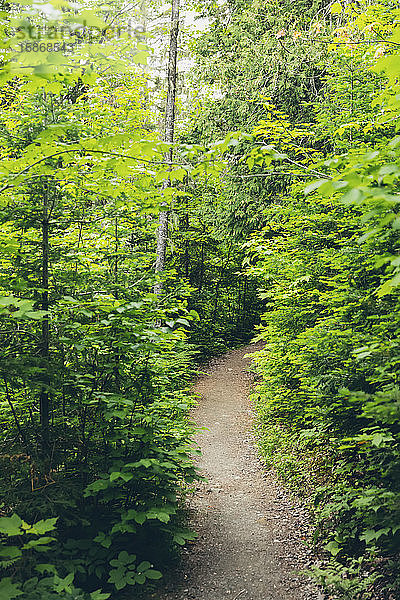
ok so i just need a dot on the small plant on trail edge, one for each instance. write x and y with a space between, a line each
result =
351 580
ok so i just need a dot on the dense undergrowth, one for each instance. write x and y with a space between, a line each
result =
95 437
328 396
94 367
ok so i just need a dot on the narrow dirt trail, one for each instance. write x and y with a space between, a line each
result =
250 533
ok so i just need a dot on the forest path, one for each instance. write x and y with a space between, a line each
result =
250 531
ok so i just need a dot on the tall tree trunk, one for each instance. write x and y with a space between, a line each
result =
169 125
187 242
116 293
44 345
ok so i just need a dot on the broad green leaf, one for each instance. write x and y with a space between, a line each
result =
10 552
314 186
333 548
143 566
11 525
153 574
44 526
336 8
99 595
8 589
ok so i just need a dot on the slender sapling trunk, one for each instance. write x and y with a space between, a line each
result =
169 125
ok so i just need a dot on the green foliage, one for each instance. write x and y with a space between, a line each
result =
209 257
327 263
94 367
126 572
255 49
295 218
22 553
350 581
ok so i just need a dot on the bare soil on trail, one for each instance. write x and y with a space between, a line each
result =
251 532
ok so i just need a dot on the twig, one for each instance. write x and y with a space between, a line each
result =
239 594
267 174
89 151
297 164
